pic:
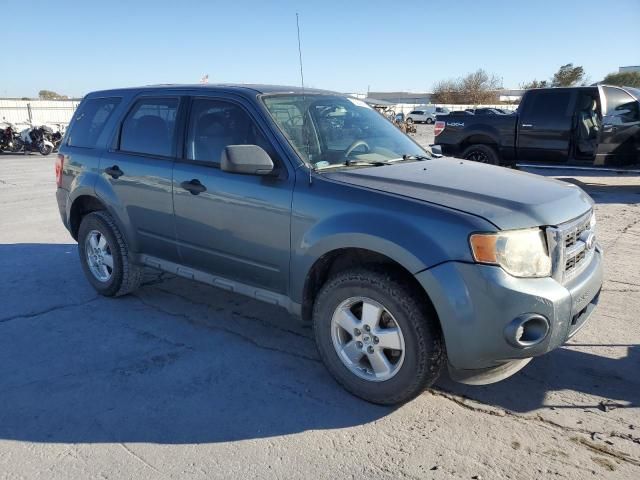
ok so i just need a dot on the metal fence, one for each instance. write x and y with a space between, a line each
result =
408 107
37 111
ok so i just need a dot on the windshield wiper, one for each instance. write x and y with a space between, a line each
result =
413 157
376 163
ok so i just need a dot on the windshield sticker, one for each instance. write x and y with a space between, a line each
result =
321 164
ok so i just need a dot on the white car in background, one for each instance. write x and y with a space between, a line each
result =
426 114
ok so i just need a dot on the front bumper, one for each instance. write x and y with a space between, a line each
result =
475 303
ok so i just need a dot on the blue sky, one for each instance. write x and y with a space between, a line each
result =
347 45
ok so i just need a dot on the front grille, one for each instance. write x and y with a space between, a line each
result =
567 243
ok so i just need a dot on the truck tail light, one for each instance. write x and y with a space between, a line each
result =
438 127
59 165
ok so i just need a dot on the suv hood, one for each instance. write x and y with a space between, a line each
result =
507 198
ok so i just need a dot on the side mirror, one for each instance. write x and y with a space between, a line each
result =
246 159
436 150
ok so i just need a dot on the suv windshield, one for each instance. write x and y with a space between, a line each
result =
329 130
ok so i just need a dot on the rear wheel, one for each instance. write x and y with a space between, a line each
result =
105 256
409 120
482 154
376 336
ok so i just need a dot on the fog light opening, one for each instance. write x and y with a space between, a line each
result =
527 330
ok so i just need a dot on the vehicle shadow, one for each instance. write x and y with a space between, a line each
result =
567 368
178 362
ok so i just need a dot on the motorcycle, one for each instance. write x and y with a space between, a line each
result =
36 139
56 137
8 137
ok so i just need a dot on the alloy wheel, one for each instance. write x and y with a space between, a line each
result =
99 256
367 339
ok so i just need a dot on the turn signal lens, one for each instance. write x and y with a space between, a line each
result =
483 247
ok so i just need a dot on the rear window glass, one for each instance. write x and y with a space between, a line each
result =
149 127
89 121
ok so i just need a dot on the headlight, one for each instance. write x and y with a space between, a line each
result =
521 253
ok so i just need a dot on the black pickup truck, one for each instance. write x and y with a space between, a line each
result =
598 125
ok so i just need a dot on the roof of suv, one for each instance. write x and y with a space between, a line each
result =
239 87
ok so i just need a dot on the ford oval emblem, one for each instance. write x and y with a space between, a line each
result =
589 239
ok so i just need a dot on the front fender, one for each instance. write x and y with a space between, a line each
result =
388 235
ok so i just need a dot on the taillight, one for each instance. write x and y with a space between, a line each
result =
438 127
59 165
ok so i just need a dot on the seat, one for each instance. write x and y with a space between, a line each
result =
211 137
588 126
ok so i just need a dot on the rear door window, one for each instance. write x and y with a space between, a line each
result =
150 127
89 121
545 106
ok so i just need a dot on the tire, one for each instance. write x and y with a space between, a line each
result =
423 355
482 154
45 150
409 120
123 276
429 121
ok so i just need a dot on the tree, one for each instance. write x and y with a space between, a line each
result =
50 95
623 79
568 76
475 88
534 84
445 91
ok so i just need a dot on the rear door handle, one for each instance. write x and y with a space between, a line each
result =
114 171
194 186
527 125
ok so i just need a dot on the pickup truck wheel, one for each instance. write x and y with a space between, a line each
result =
375 336
105 256
482 154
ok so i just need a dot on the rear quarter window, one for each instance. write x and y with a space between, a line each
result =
90 120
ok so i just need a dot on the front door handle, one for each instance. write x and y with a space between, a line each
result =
527 125
114 171
194 186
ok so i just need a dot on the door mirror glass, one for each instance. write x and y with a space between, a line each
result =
246 159
436 150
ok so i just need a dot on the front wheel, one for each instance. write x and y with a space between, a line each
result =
409 120
429 121
482 154
377 336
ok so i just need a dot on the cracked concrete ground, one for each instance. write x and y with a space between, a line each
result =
181 380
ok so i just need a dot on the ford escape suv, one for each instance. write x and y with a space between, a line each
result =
405 263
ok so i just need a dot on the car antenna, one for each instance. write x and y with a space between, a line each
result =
302 78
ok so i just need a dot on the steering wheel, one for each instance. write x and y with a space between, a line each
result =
354 145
